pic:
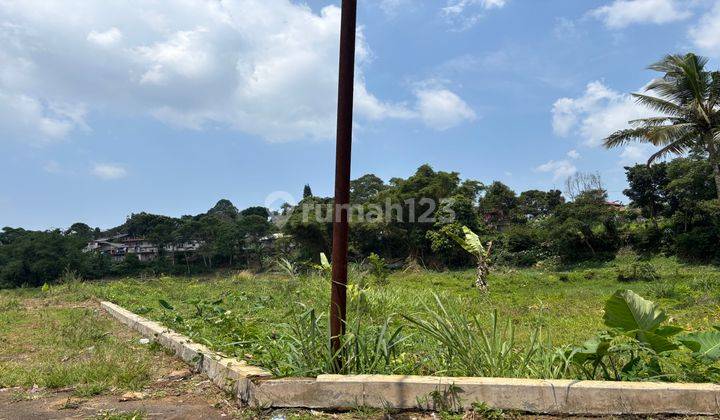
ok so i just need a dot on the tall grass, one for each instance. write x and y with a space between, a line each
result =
305 349
469 348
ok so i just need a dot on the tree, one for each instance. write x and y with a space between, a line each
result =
498 203
307 192
224 209
646 188
583 229
256 211
534 203
688 96
365 188
582 182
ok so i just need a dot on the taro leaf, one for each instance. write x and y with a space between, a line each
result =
164 303
656 342
627 311
668 330
705 345
634 316
593 349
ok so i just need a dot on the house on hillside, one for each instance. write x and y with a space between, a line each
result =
118 246
615 205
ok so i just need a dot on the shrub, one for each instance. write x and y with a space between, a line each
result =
378 268
699 244
243 275
637 271
645 238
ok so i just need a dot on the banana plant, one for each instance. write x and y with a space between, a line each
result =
324 267
471 243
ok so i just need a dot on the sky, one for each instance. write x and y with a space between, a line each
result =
109 108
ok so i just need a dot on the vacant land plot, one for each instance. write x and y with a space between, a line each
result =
62 359
279 321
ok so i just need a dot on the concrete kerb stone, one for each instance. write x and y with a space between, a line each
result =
255 386
529 395
229 374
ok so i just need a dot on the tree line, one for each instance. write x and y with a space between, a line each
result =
673 210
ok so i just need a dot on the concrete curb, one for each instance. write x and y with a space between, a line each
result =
528 395
255 386
229 374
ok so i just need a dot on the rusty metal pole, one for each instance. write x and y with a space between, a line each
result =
338 298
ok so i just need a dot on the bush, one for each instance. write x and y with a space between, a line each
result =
378 268
521 246
637 271
645 238
699 244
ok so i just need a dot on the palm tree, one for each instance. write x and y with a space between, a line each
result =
688 96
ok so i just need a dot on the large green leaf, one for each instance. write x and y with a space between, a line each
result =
593 350
704 344
324 263
655 341
627 311
469 241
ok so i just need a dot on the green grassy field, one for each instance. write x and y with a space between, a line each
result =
68 346
260 317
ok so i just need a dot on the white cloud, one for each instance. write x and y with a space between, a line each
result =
391 7
105 39
442 109
37 122
705 35
622 13
636 153
262 67
108 171
560 168
597 113
573 154
463 14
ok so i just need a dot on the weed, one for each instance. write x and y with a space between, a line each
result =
378 269
242 276
120 415
287 267
637 271
480 410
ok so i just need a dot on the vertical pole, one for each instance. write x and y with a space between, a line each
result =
338 297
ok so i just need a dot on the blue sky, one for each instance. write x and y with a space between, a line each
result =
110 108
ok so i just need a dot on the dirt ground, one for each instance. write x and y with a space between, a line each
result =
180 396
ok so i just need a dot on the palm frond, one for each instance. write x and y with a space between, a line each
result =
660 105
656 121
714 95
685 81
623 137
677 147
668 134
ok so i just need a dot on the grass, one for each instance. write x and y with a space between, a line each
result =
67 347
252 316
